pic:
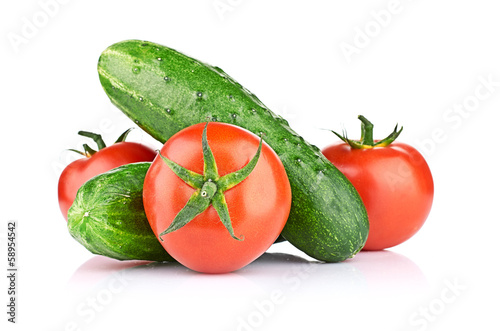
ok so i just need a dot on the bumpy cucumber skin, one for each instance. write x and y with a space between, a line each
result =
164 91
108 218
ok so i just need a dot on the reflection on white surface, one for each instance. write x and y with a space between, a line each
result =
274 291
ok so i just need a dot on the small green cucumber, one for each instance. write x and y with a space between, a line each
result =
164 91
108 218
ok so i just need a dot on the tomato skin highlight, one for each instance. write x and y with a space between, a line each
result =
258 206
81 170
395 184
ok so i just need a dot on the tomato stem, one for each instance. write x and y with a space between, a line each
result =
97 138
209 188
366 131
366 140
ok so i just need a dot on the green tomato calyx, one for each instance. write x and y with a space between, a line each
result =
97 138
209 188
366 140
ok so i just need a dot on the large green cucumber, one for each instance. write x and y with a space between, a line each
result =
164 91
108 218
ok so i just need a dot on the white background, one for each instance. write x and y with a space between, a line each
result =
415 63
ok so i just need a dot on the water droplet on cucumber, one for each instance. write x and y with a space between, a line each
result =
159 59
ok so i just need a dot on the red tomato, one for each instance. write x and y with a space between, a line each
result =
107 158
395 184
258 206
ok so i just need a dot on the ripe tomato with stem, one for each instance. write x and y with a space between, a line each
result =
393 180
97 162
217 197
